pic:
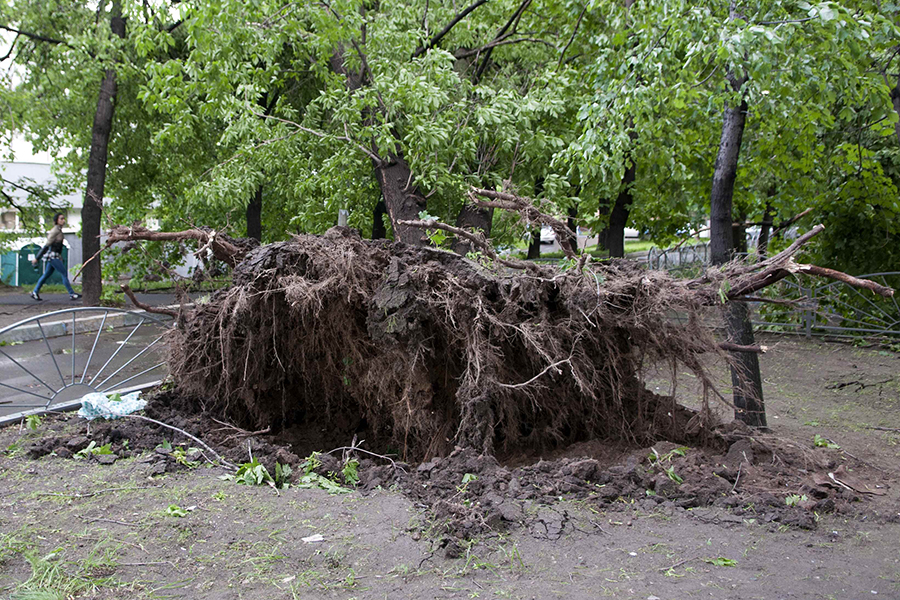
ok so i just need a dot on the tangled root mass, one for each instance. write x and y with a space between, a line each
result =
425 350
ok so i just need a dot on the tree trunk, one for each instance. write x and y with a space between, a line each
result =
721 236
746 379
762 244
92 210
472 217
745 375
739 234
254 216
572 223
534 246
378 230
614 240
401 198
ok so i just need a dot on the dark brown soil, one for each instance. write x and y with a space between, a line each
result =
575 522
470 494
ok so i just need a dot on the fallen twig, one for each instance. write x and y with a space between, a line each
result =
358 449
97 493
679 563
183 432
892 429
96 519
738 478
732 347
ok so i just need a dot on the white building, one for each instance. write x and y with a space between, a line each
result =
18 177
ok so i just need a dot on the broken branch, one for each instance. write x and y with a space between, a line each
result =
147 307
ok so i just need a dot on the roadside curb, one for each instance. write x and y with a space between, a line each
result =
52 329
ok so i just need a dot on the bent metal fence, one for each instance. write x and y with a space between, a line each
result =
834 309
679 257
48 362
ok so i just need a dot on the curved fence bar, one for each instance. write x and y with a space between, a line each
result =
49 361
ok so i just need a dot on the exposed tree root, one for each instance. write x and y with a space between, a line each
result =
426 350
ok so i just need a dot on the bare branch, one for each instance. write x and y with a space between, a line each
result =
147 307
731 347
525 206
34 36
503 42
804 20
346 138
562 54
434 41
867 284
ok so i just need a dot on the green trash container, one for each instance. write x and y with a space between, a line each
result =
29 274
8 267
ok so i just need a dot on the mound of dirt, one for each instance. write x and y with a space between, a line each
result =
424 350
744 475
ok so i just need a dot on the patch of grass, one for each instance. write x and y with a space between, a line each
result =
50 580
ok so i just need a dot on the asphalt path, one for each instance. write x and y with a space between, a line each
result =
43 373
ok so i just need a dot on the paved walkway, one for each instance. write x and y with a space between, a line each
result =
16 306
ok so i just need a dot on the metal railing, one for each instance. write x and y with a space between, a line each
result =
833 309
676 258
55 358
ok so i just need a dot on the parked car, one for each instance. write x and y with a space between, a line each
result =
547 235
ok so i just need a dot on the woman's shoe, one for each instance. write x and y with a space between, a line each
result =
75 296
36 297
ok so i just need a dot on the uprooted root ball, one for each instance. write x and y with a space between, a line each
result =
426 350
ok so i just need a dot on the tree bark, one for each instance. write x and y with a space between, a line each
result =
746 379
614 239
571 223
534 246
472 217
762 244
745 374
254 215
721 236
378 230
92 210
402 198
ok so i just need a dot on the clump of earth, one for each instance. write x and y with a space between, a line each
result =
754 476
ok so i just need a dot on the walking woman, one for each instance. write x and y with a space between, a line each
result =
53 249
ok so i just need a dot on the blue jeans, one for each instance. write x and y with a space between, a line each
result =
54 263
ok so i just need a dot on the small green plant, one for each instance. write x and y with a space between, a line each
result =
723 291
660 461
721 562
795 499
181 457
435 236
351 472
93 449
176 511
117 397
32 422
671 474
821 442
165 445
254 473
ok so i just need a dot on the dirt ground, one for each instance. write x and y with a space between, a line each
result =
747 520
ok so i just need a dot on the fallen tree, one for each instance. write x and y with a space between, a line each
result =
425 350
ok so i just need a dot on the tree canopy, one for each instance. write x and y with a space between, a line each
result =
308 108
